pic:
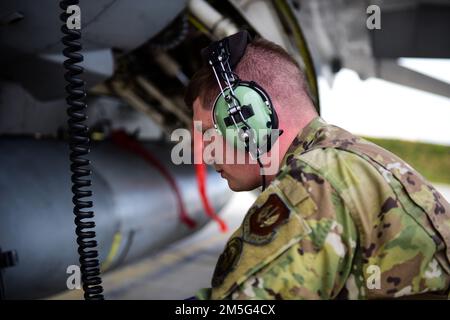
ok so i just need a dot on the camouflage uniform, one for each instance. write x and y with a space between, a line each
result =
344 219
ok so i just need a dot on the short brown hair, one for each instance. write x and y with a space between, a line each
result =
264 62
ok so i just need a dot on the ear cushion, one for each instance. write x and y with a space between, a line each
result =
255 118
263 93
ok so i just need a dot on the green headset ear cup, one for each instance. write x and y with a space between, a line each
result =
247 94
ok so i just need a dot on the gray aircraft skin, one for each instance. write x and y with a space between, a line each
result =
138 57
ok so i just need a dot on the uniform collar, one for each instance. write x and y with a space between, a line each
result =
305 139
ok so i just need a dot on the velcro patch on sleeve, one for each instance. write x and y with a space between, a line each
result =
261 223
227 261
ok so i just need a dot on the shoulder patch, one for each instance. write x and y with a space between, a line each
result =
227 261
261 223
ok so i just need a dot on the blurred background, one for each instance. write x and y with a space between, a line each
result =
161 227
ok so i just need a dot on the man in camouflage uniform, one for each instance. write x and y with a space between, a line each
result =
342 219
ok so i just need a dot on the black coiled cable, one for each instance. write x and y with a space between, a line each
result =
79 147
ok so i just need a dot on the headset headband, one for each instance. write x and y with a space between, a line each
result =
233 46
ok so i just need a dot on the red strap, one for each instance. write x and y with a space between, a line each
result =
200 170
122 139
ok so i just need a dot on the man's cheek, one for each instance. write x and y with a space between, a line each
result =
213 147
229 153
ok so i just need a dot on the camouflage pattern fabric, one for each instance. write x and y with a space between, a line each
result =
344 219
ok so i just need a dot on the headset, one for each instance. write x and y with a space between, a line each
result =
242 112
